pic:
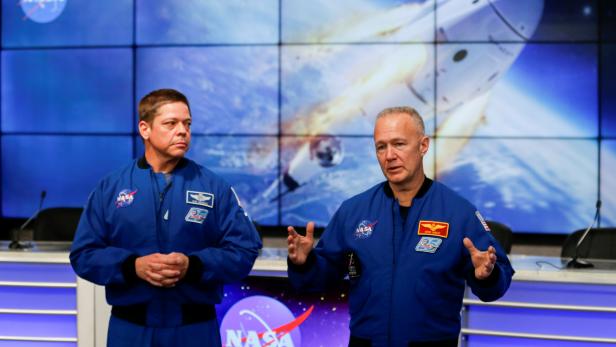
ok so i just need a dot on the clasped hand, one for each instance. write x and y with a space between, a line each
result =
162 270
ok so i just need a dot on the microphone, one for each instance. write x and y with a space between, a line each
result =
15 244
575 262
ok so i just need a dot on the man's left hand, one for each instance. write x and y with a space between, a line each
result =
177 261
483 261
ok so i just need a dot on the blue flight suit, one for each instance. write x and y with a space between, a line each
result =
411 269
135 212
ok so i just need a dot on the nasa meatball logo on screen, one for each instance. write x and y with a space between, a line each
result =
42 11
259 321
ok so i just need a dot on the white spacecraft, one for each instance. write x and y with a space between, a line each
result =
476 43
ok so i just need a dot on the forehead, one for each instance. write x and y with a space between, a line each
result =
173 110
395 125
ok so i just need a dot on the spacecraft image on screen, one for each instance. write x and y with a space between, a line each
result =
284 96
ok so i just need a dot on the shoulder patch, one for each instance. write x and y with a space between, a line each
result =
483 221
239 202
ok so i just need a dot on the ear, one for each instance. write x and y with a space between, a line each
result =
424 145
144 130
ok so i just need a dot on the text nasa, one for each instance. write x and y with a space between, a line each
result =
235 338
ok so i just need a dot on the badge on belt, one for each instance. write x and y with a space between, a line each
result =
353 266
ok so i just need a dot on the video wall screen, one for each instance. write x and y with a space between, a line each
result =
608 20
46 91
66 167
49 23
232 90
608 91
338 89
525 95
206 22
348 21
248 163
526 176
608 181
518 98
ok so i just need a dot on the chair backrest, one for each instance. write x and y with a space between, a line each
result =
502 233
600 243
57 224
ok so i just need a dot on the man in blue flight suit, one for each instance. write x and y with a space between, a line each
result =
163 235
407 245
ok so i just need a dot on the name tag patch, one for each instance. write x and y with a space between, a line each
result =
196 215
200 198
428 244
432 228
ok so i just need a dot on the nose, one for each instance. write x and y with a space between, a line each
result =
182 128
390 154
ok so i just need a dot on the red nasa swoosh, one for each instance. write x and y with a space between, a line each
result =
286 328
32 10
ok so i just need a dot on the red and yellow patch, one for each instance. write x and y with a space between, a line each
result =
432 228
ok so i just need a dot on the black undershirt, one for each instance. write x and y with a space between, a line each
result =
404 211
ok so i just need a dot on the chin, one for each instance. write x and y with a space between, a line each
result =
394 181
177 155
400 182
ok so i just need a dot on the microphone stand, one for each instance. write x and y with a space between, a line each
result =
575 262
16 237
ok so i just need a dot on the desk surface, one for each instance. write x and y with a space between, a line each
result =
272 262
36 252
553 269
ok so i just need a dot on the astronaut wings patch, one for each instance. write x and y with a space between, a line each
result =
200 198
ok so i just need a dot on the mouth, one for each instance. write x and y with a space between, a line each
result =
394 169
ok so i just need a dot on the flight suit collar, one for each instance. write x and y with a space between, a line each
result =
425 186
143 164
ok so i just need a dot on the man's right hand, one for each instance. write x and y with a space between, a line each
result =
300 246
159 270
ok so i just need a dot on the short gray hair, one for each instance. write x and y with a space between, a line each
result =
404 110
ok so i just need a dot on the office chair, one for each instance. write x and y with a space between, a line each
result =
502 233
57 224
600 243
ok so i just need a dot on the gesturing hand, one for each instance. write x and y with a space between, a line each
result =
482 261
162 270
300 246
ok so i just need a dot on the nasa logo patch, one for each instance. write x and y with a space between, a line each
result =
428 244
200 198
125 198
196 215
364 229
